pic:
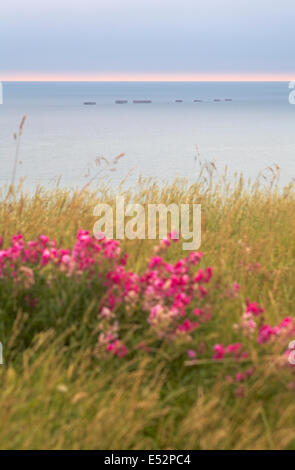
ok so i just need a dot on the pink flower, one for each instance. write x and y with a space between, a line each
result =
44 239
265 333
208 274
191 353
286 322
239 377
106 312
187 326
199 276
157 309
65 259
219 351
155 261
195 257
233 348
253 307
45 256
174 235
165 242
117 348
203 291
198 312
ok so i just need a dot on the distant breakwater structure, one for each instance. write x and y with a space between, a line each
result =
142 101
215 100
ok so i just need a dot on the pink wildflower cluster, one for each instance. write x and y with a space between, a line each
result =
249 324
267 332
234 350
241 376
117 348
171 294
170 300
86 252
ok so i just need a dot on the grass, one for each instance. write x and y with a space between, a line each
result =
55 393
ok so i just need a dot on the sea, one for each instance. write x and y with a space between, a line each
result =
244 127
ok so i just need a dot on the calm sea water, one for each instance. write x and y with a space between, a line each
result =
62 137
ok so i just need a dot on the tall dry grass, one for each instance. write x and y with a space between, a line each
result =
49 404
57 398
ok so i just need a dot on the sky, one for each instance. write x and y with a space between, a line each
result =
147 40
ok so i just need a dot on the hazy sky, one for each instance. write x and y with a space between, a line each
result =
147 39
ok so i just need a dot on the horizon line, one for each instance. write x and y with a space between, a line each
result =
30 77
